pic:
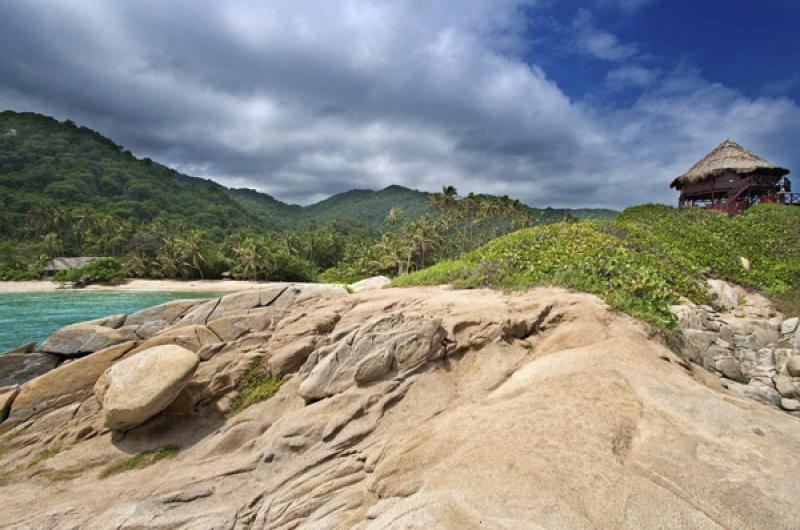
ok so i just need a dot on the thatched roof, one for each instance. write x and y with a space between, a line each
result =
728 157
60 264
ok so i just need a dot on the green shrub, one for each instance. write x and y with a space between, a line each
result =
642 262
101 270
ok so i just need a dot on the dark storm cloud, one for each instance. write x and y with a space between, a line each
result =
306 99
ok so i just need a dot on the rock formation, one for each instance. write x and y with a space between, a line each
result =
399 408
745 342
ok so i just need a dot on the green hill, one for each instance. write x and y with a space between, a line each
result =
371 207
45 163
642 262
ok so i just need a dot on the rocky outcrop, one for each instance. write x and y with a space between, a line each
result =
68 384
137 388
404 408
16 368
744 341
81 339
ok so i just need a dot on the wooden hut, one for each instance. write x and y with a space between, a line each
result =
61 264
731 179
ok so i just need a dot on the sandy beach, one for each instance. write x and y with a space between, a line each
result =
42 286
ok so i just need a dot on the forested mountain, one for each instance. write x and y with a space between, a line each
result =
66 190
44 162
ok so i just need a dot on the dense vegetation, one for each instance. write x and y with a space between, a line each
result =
642 262
66 190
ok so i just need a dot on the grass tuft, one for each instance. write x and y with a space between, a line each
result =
43 455
256 385
140 460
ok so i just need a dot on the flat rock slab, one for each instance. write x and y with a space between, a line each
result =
80 339
17 368
137 388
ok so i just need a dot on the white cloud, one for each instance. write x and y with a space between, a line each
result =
306 99
593 41
631 75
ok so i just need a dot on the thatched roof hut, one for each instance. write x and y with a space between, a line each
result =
727 157
61 264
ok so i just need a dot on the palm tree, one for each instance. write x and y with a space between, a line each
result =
393 216
191 246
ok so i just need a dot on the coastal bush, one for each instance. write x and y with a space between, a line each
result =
647 259
102 270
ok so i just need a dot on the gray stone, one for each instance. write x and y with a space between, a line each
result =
760 391
137 388
29 347
17 368
730 368
370 284
688 316
785 386
80 339
793 365
790 404
723 293
789 325
112 321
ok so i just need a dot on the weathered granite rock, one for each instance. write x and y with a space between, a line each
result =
66 384
17 368
370 284
729 367
793 365
137 388
786 387
233 326
391 342
688 317
192 337
7 395
790 325
29 347
154 319
80 339
723 293
111 321
762 391
790 404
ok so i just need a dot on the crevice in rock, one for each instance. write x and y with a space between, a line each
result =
216 305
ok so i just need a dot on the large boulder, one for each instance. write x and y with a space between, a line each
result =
154 319
17 368
79 339
69 383
137 388
370 284
724 294
192 337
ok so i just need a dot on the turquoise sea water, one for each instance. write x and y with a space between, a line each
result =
27 317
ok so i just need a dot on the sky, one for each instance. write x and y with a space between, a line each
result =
563 103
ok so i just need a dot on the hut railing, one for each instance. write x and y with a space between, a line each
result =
789 198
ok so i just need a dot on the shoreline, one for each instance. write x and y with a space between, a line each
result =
46 286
